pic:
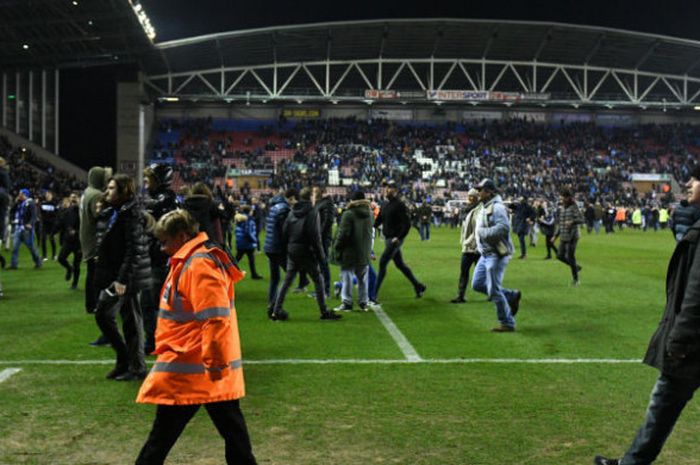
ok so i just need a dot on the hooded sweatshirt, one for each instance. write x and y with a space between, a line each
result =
302 233
97 183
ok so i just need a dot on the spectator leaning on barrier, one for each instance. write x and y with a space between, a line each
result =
197 343
674 348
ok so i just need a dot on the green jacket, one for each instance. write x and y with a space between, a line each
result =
353 240
97 183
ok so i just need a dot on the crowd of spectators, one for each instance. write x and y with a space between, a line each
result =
526 158
29 171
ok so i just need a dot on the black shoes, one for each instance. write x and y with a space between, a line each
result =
330 316
257 277
99 342
131 376
515 303
279 315
458 300
420 290
503 329
600 460
116 372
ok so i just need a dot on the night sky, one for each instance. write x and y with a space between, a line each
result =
88 95
175 19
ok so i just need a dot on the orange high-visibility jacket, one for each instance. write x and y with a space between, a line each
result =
197 330
621 214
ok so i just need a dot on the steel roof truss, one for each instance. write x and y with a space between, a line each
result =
185 82
236 82
651 86
342 78
573 84
314 80
598 86
208 84
466 73
396 74
520 79
447 75
550 79
415 75
695 95
623 86
364 76
262 83
289 79
500 75
675 91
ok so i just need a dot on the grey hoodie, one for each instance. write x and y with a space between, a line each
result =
98 177
493 229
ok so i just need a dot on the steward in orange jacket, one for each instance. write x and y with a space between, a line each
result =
197 343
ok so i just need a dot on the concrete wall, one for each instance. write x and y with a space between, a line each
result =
129 98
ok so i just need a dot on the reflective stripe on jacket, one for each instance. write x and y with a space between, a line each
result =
197 330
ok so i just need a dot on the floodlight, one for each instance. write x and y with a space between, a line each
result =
25 46
696 108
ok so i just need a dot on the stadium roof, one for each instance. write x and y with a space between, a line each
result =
64 33
438 38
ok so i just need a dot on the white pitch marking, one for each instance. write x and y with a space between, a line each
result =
356 361
406 348
7 372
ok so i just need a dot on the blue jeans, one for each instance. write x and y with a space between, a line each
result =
278 263
424 231
346 276
372 283
488 279
668 398
27 237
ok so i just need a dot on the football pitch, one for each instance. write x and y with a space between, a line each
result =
422 382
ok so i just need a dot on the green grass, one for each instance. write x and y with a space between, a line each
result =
453 413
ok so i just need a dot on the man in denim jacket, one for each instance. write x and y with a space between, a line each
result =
496 247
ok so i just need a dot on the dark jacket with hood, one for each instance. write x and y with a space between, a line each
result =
353 241
394 218
327 213
279 210
161 201
204 211
302 233
675 347
122 248
684 216
97 183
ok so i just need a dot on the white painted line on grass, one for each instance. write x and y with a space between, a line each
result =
369 361
7 372
406 348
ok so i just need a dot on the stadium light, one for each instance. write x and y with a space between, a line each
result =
75 3
696 108
143 19
169 99
25 46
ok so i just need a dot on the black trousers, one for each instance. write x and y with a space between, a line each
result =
71 246
48 230
393 252
171 420
150 300
468 259
251 259
278 263
91 290
310 266
567 254
549 240
129 349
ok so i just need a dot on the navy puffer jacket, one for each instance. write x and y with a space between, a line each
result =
279 209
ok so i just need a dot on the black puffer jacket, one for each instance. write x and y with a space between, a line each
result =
160 203
327 214
122 248
302 233
675 347
684 216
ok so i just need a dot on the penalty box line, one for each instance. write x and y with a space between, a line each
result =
356 361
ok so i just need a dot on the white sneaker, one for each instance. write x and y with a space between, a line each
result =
374 305
343 308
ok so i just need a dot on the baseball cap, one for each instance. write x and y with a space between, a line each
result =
25 192
486 184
